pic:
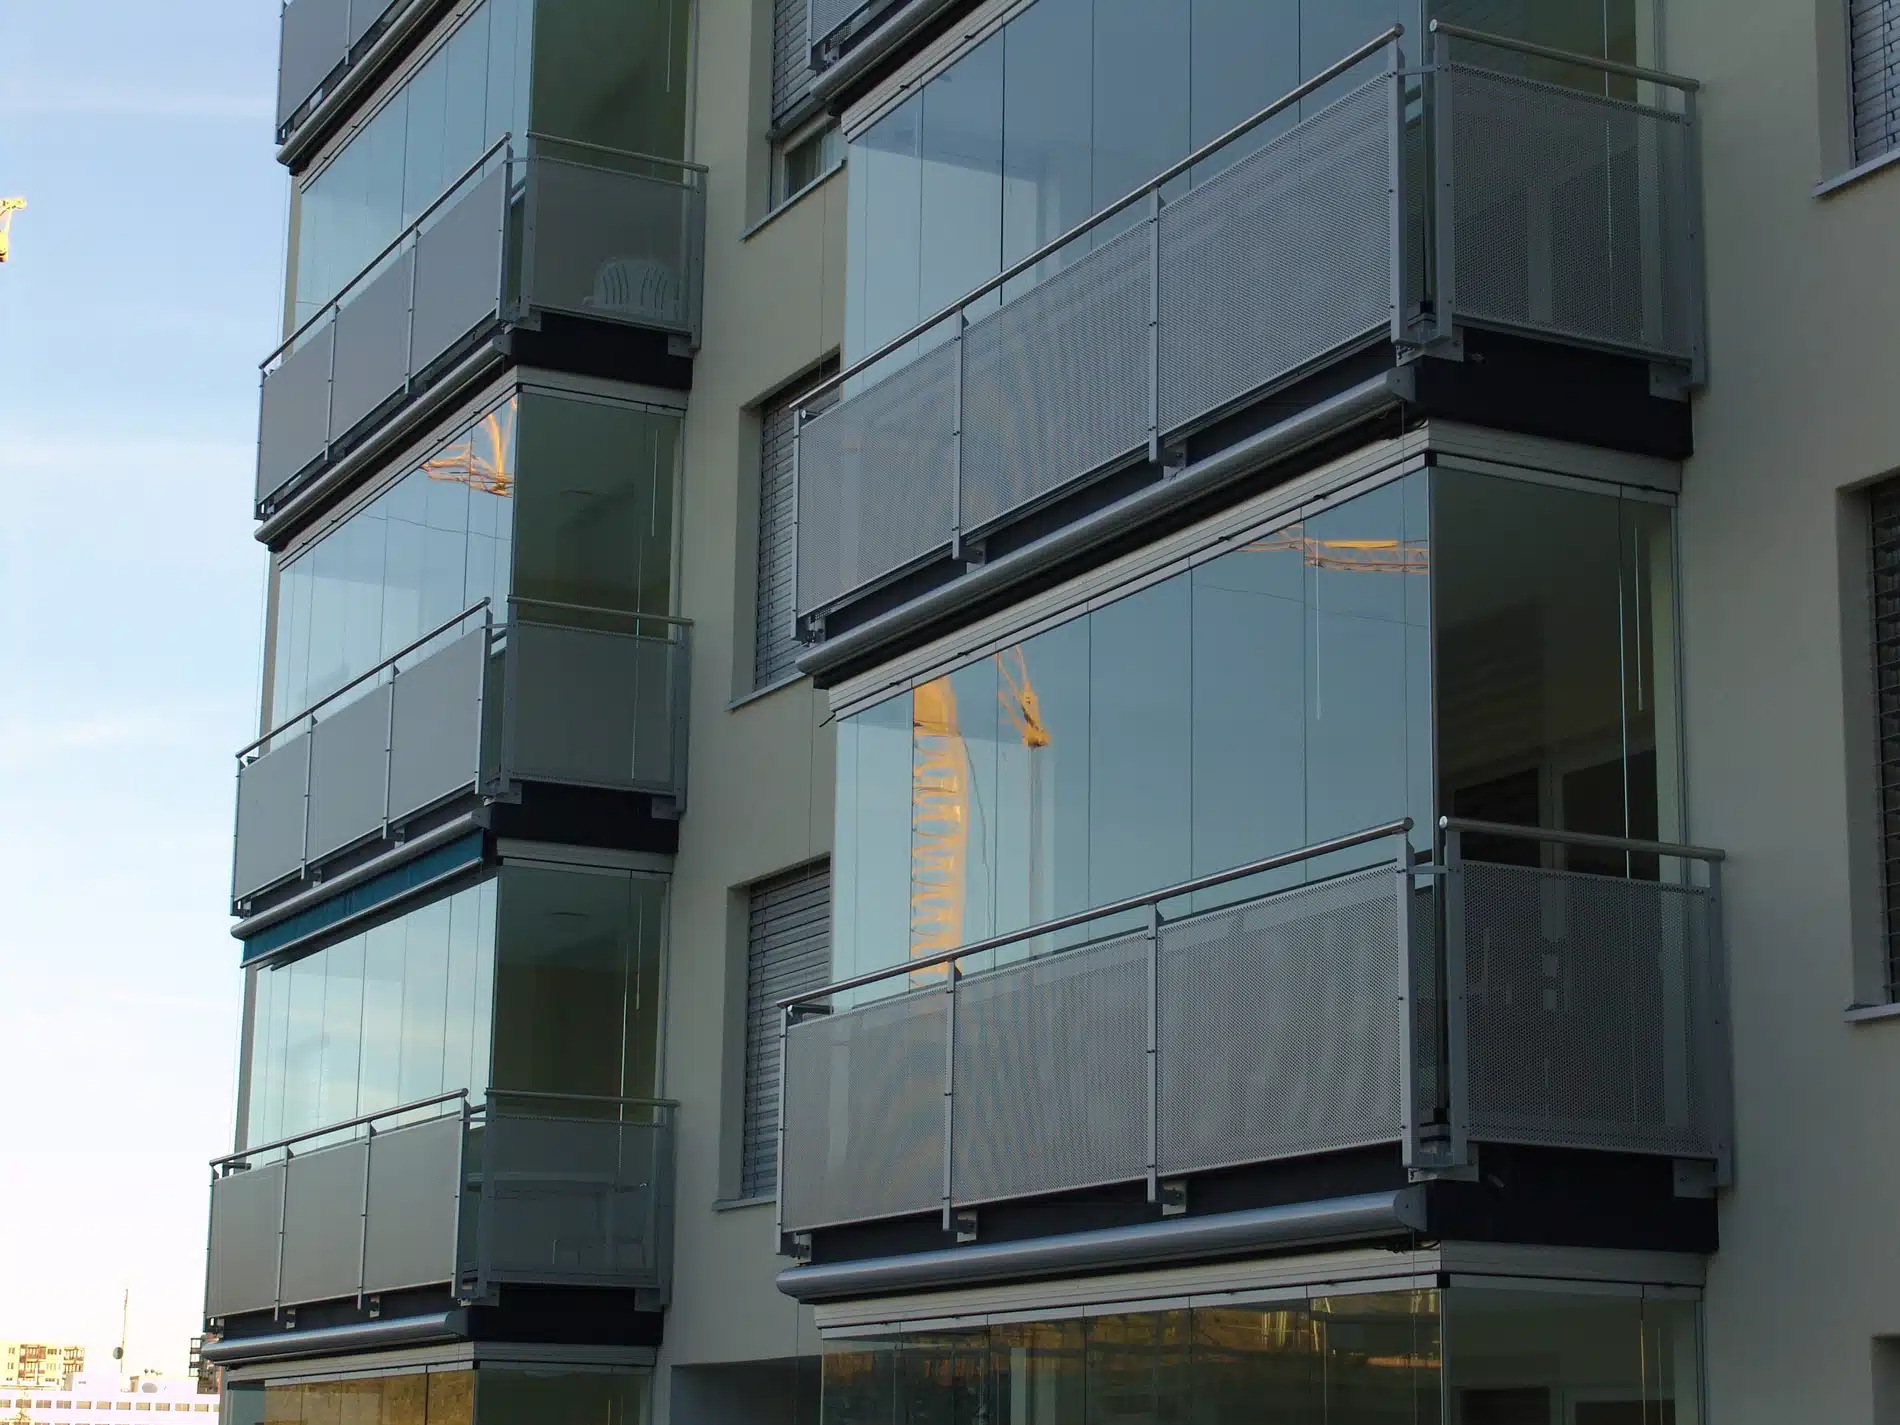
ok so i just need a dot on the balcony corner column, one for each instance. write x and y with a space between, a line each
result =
1152 937
952 972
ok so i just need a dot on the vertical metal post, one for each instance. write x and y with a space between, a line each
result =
510 666
458 1190
1457 1043
1395 68
237 830
1154 326
309 753
952 972
329 381
389 747
1721 1085
1694 277
362 1240
1153 938
679 655
481 695
778 1166
409 340
798 440
956 440
1444 212
528 197
283 1211
485 1200
1411 1150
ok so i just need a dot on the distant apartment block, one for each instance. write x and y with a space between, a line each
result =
38 1363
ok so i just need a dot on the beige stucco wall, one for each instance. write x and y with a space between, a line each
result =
761 772
1802 405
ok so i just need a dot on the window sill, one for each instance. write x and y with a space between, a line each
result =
1868 1013
791 202
1856 173
734 1204
765 692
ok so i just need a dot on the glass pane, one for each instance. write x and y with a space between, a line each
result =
451 1397
465 948
405 1400
508 57
643 1008
565 949
613 72
464 117
1583 1359
860 1383
1600 28
1245 54
1379 1358
1531 670
1332 29
303 1051
382 1018
243 1405
342 1029
962 183
352 209
1141 693
424 1001
1048 129
595 523
1037 1373
1256 1366
1249 734
556 1397
1141 92
942 1378
874 839
1651 710
885 162
953 810
346 601
1138 1368
424 172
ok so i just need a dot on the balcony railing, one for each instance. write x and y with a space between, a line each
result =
515 237
527 1188
578 696
1420 202
1585 1011
316 40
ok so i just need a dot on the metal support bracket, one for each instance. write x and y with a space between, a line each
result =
964 1224
1174 1199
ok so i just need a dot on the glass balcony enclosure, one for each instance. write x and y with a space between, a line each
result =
1075 103
1270 698
471 197
1464 1355
460 1095
534 979
489 1394
582 70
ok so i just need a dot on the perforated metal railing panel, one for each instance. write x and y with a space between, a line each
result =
877 479
1056 382
1279 1025
1279 260
1588 1011
864 1113
1050 1086
828 15
1572 214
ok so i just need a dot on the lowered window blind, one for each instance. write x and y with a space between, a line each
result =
788 952
1874 30
791 57
1886 625
775 649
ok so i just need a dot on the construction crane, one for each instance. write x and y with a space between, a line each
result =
942 801
485 469
8 207
1352 556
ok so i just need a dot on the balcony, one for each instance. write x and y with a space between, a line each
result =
474 706
1420 205
318 41
518 237
1585 1011
525 1189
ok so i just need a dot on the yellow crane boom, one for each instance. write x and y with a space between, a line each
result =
8 207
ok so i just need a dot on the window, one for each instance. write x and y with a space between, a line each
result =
788 952
1874 34
791 58
775 647
1885 564
803 159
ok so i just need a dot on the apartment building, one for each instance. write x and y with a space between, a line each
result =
1073 710
40 1363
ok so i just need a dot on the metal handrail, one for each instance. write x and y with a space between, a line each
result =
330 1128
670 620
1140 902
1581 838
1166 176
335 302
1564 56
536 136
543 1095
362 677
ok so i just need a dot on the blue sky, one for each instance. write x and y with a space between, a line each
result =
138 301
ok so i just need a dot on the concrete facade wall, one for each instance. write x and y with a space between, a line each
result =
1800 410
760 795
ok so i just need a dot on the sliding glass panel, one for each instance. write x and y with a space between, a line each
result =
562 1396
961 146
614 73
1620 30
1142 96
1244 55
1048 130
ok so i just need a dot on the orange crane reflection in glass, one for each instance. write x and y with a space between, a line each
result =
483 459
940 805
1351 556
8 207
